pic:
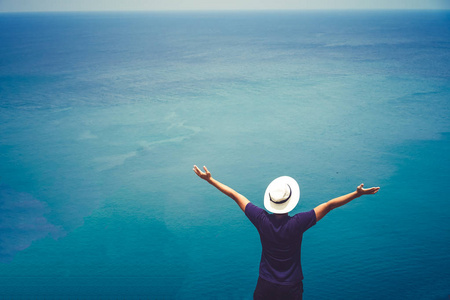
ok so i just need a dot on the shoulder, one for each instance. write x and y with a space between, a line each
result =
251 208
305 219
304 214
254 212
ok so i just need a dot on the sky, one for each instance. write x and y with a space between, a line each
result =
157 5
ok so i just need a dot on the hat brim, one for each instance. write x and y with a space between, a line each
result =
288 205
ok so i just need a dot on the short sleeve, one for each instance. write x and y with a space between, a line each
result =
254 213
306 220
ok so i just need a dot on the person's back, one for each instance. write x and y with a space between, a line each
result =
281 239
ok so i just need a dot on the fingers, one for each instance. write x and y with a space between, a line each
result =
375 189
200 173
372 190
206 170
197 170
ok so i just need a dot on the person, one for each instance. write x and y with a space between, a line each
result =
280 272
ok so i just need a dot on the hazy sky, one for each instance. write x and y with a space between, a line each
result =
101 5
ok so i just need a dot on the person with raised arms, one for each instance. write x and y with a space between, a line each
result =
280 271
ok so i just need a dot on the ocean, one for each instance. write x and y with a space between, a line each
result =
103 115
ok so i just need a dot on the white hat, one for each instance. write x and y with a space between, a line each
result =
282 195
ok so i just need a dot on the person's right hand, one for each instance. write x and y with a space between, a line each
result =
203 175
362 191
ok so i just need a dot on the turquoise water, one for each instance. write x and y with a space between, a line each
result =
103 115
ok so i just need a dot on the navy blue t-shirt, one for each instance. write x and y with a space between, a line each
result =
281 240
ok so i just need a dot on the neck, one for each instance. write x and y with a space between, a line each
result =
280 216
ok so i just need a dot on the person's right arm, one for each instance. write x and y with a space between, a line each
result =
326 207
241 200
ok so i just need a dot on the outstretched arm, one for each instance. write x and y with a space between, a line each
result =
326 207
238 198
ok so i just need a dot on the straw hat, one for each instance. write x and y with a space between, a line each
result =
282 195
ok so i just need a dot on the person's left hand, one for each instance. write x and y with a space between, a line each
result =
362 191
203 175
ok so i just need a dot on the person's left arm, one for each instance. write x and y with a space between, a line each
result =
323 209
238 198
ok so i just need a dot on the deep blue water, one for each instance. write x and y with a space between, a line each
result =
102 116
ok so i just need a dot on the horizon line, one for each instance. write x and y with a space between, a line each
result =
224 10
